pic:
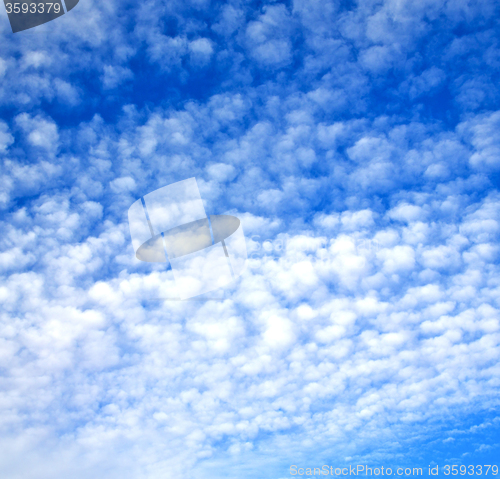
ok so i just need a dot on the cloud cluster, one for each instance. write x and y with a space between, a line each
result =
359 145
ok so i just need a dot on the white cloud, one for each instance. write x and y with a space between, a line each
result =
484 138
327 221
377 59
426 82
114 76
221 172
3 67
125 183
397 259
39 131
201 51
67 93
406 212
6 139
267 38
356 220
370 304
36 59
231 19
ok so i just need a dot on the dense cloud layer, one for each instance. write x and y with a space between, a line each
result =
359 144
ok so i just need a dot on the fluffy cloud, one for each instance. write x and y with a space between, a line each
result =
359 146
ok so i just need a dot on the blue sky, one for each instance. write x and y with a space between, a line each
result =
358 142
